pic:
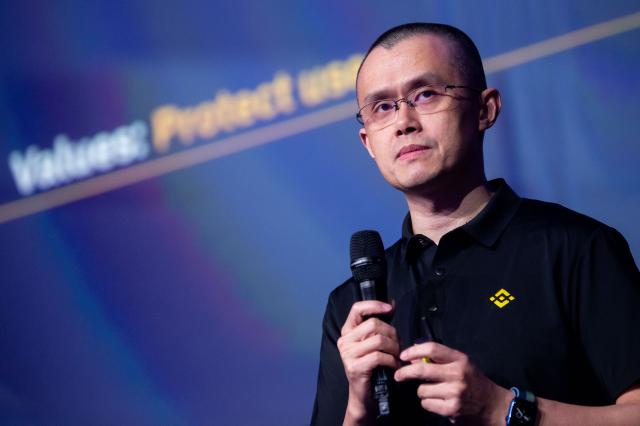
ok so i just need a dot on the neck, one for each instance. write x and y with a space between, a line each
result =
435 214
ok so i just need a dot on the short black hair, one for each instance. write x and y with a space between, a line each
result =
466 55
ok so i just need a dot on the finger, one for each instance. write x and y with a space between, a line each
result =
374 343
367 363
443 407
433 351
370 327
360 311
441 390
426 372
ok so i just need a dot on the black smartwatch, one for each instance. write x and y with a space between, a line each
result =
523 409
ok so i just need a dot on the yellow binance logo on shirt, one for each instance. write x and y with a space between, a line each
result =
502 298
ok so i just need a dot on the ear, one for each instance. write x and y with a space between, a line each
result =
490 106
364 138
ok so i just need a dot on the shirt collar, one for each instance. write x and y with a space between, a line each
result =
486 227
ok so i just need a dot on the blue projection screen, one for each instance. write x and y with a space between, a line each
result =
179 182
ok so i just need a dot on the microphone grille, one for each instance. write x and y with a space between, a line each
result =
368 261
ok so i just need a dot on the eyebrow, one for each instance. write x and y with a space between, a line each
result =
387 93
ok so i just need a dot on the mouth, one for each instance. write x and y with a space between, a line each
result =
410 151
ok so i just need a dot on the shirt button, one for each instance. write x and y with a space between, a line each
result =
439 272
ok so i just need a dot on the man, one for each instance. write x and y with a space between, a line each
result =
518 293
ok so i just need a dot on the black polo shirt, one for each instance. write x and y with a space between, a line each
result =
539 297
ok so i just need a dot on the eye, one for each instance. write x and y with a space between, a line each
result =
382 106
423 95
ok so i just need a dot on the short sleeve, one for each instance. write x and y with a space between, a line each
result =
607 296
332 390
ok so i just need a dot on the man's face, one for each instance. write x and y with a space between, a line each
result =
420 152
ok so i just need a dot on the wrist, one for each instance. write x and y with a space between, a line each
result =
502 398
357 412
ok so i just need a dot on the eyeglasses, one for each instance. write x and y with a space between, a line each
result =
427 99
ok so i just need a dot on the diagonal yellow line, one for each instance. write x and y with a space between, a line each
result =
170 163
271 133
561 43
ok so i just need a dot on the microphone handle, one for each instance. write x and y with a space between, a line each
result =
382 376
368 290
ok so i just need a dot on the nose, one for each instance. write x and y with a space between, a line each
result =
407 118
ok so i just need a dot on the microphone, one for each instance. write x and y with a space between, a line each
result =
369 269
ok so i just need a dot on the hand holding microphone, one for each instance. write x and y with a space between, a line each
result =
369 346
